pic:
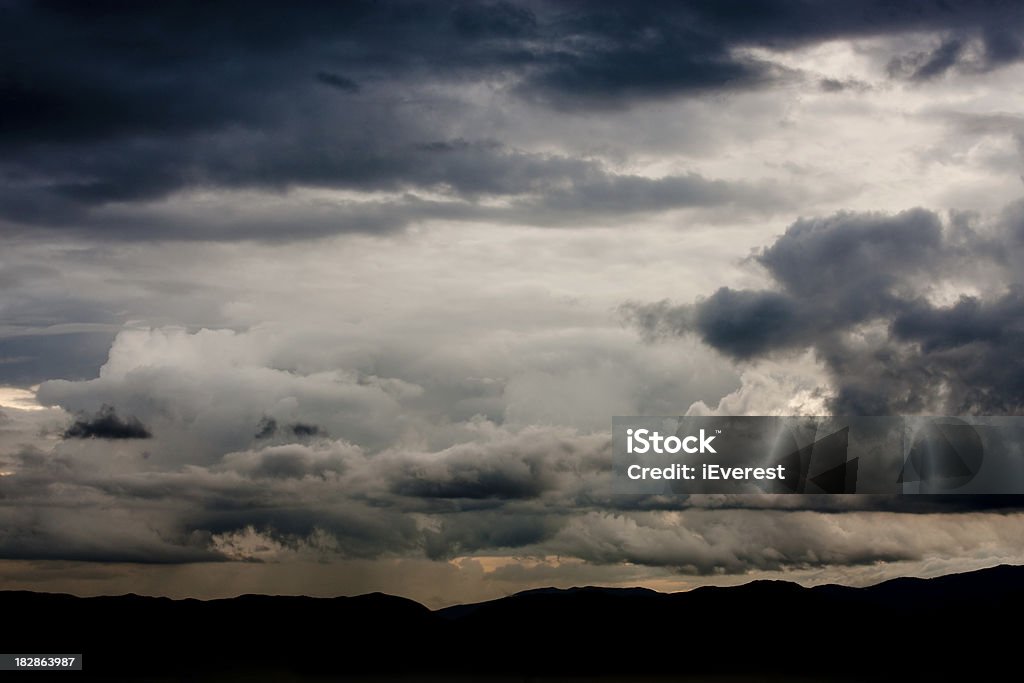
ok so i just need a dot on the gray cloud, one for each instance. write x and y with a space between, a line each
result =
964 51
703 542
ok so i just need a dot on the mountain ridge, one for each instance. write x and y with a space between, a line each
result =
899 628
550 590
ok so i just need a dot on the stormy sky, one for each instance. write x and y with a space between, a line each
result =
342 297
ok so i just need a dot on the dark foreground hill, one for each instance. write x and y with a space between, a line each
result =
962 627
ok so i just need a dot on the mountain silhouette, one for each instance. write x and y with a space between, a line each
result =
957 626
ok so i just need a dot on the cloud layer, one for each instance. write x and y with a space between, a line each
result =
338 292
98 136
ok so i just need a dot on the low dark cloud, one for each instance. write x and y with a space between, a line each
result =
839 85
107 424
268 428
519 468
301 429
855 289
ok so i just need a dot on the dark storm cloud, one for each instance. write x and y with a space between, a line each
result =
134 103
854 288
127 68
107 424
617 53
